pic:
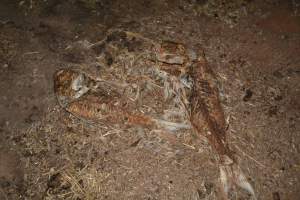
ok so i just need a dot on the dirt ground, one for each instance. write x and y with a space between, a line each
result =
45 153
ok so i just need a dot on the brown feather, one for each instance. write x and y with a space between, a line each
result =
207 115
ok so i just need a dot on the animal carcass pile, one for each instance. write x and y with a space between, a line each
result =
151 85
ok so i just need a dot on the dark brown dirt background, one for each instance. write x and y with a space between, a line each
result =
46 154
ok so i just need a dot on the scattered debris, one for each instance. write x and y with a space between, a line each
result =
162 88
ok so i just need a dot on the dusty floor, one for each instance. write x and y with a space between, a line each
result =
45 153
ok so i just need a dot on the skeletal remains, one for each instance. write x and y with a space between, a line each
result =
155 85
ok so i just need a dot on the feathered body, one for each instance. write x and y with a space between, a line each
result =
207 115
170 88
208 119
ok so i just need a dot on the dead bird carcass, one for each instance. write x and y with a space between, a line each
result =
155 85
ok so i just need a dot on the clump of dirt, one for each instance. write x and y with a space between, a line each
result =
11 174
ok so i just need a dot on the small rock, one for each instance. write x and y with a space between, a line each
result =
283 37
248 95
5 66
276 196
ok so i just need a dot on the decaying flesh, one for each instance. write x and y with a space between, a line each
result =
146 90
207 117
101 105
172 89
